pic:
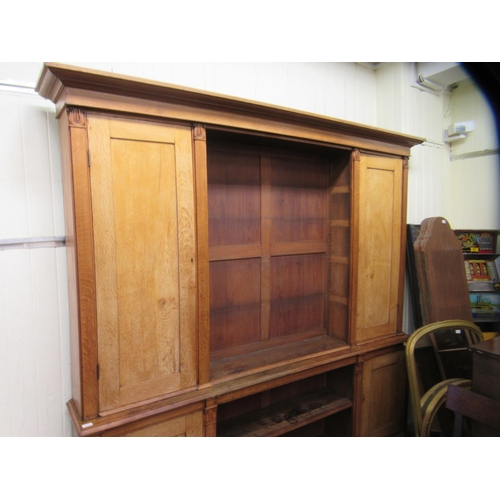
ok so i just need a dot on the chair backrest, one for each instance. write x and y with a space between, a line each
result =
435 353
479 408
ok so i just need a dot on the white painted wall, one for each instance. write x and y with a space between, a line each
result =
34 323
34 331
474 172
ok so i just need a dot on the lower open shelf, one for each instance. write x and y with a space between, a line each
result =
286 416
316 405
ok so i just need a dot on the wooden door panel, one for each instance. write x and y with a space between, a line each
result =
383 395
143 205
379 246
189 425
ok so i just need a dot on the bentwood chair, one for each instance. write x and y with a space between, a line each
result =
437 356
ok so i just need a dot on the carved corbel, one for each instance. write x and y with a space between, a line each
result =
77 117
199 132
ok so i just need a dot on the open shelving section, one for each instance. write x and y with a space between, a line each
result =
287 408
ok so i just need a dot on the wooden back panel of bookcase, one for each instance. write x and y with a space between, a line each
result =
270 217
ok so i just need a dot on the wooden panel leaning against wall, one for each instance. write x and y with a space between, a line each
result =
235 268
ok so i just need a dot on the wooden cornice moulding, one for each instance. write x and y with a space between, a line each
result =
55 78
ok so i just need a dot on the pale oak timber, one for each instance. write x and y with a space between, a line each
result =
402 251
155 298
382 388
201 200
84 242
185 422
266 212
353 242
379 244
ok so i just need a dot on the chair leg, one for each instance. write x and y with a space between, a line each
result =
457 426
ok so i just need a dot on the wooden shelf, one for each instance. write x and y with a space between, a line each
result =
286 416
253 361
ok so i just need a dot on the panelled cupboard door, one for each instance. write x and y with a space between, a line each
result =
379 246
145 258
383 395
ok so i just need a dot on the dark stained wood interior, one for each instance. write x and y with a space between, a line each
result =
278 217
310 402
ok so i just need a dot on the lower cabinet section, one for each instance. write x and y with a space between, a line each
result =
382 391
362 395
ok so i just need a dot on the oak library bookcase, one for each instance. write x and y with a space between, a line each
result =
235 268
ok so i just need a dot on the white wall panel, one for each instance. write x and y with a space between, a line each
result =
34 332
22 74
475 186
34 367
30 172
34 343
19 330
13 195
404 108
5 373
360 95
473 200
426 180
468 103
